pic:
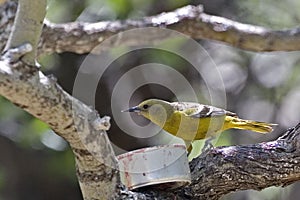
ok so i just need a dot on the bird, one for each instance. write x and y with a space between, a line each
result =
192 121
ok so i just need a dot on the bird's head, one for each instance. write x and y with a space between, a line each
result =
155 110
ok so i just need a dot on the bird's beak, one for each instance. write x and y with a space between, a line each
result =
133 109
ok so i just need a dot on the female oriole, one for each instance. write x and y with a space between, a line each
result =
194 121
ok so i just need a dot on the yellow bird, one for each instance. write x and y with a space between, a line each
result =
194 121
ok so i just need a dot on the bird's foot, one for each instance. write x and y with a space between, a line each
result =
208 144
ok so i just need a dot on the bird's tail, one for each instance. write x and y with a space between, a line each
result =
260 127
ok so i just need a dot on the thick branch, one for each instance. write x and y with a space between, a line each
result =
83 37
25 86
222 170
227 169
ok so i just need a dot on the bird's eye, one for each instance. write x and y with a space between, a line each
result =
145 106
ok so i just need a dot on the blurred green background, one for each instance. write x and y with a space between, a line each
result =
37 164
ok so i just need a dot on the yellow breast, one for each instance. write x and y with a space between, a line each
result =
191 128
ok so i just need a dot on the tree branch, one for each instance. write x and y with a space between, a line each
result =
23 84
226 169
81 37
27 27
26 87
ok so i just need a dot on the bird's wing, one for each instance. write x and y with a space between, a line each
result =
199 110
